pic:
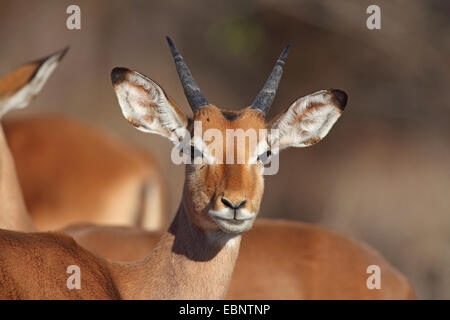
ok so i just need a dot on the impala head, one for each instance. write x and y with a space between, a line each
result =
20 86
224 192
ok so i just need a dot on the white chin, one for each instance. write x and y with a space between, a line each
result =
234 226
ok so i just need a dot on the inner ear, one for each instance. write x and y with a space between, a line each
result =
308 120
145 105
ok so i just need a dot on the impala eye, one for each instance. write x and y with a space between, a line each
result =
265 157
194 153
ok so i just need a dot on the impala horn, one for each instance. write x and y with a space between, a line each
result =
192 91
265 97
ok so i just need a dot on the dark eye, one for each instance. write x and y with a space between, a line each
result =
264 157
194 153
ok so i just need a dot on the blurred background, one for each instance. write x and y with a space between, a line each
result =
383 173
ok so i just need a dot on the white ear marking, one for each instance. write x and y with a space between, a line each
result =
309 119
23 96
145 105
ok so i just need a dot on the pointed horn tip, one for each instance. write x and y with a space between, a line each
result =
172 47
118 75
169 41
193 93
285 51
274 78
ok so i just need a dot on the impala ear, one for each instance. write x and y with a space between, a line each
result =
145 105
308 119
20 86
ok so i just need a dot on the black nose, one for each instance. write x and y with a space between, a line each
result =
232 205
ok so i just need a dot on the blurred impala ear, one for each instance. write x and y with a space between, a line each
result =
145 105
19 87
308 120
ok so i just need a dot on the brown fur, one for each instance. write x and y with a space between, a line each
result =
41 273
188 263
13 213
288 260
124 244
207 184
278 260
195 258
185 265
72 173
14 81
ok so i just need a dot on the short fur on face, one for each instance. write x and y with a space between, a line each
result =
206 184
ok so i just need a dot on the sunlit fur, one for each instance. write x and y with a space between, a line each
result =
206 184
278 259
195 258
17 89
70 172
89 175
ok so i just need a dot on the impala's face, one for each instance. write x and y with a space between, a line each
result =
226 191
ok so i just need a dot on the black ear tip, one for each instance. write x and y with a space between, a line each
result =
118 75
169 41
340 98
63 53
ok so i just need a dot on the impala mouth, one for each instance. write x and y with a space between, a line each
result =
233 221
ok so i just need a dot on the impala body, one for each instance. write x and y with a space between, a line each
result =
70 172
278 259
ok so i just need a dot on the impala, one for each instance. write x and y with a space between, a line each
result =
196 256
17 89
70 172
278 259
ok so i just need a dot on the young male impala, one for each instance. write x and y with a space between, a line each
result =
70 172
196 256
303 261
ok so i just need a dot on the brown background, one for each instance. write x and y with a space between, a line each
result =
383 173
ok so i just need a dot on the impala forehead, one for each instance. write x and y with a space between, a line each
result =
213 117
232 126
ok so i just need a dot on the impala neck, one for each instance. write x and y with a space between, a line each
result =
188 263
13 213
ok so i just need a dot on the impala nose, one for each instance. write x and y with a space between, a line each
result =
233 205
